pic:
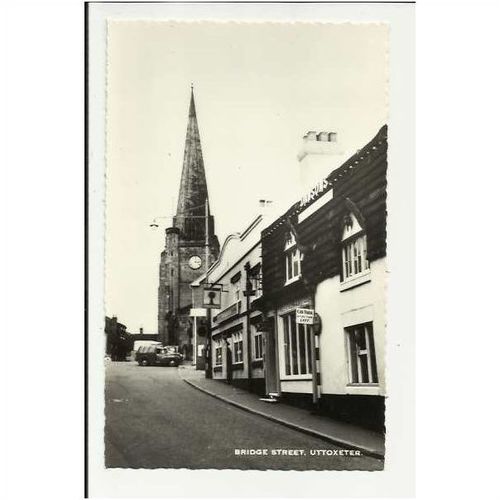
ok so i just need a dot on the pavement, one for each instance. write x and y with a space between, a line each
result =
154 419
336 432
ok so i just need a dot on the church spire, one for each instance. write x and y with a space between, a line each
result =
192 108
193 191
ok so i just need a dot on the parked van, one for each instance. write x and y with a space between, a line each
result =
158 355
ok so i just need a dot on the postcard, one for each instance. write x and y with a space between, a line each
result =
245 169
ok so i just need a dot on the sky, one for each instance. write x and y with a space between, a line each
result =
259 87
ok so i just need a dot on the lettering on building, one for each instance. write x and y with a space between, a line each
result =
314 192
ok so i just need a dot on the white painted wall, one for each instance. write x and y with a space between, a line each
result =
339 310
316 160
237 250
297 386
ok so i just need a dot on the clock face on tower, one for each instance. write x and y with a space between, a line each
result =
194 262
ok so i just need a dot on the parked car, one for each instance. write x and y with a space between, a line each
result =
158 355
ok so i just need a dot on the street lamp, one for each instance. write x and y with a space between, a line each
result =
154 223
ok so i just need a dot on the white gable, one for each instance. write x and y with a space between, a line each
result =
351 227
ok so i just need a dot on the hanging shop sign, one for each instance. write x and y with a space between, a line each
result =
212 297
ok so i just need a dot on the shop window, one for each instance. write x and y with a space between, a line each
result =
354 249
292 259
237 347
258 345
361 352
296 347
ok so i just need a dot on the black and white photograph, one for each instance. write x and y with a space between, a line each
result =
245 245
245 234
231 270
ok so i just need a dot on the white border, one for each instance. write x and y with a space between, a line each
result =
43 129
398 477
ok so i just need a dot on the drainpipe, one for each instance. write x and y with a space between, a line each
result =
195 333
208 345
248 292
315 374
277 351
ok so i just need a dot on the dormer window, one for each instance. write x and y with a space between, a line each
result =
292 259
354 248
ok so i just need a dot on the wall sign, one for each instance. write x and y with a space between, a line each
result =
315 191
198 312
304 316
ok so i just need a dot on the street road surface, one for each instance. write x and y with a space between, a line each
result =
156 420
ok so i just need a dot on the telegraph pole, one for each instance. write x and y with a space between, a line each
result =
248 292
195 333
208 353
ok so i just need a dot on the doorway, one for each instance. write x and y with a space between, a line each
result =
271 361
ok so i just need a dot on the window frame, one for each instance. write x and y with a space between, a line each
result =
237 341
355 362
292 256
356 245
258 345
236 292
301 367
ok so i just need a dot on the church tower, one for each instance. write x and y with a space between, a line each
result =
190 245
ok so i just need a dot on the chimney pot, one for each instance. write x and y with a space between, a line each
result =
265 203
310 136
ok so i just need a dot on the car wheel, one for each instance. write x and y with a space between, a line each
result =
144 362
